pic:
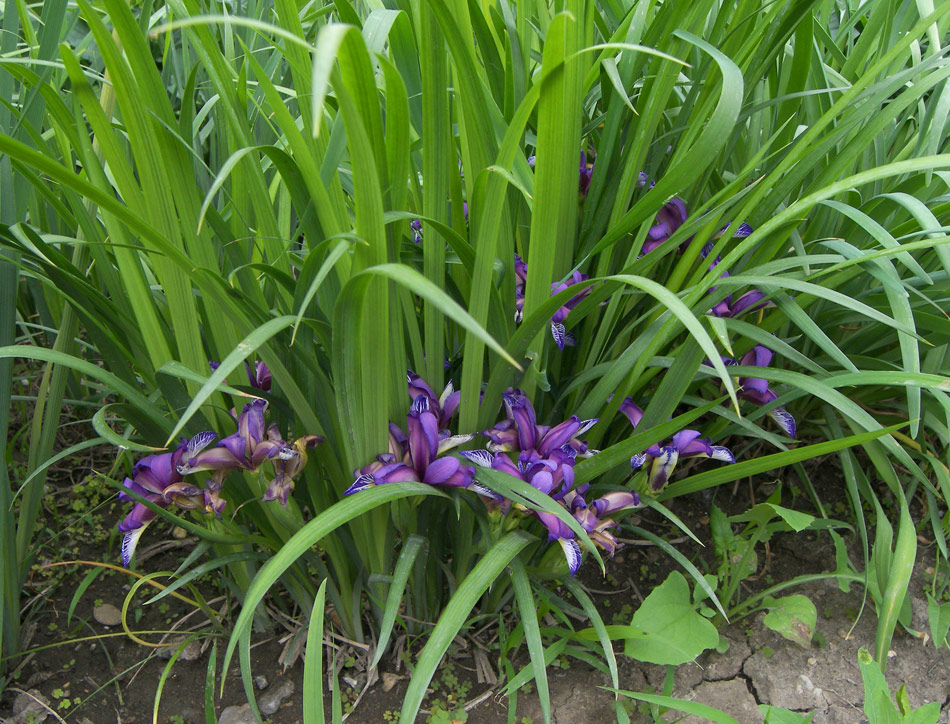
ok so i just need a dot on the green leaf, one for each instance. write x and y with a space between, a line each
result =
794 617
689 707
313 664
324 524
87 368
764 512
775 715
939 615
666 629
454 615
528 615
878 706
397 588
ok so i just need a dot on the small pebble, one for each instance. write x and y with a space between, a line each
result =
107 615
191 652
812 661
179 533
270 701
237 715
260 682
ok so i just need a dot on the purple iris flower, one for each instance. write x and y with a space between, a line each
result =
742 230
663 458
552 475
249 448
259 377
546 476
157 479
546 458
418 456
287 465
521 431
562 338
751 300
161 479
669 218
585 175
591 515
521 278
150 477
443 406
757 390
246 448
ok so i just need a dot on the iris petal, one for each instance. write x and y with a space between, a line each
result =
586 425
784 421
662 467
482 458
363 482
722 453
129 542
572 552
200 441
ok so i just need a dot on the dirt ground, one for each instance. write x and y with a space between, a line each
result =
101 676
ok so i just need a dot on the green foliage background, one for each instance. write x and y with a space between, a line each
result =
185 181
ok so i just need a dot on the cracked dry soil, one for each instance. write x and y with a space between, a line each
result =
761 667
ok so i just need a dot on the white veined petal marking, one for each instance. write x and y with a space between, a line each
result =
784 420
586 425
200 441
722 453
129 541
485 491
447 443
572 552
361 483
482 458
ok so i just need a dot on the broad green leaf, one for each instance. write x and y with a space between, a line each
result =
775 715
764 512
666 629
794 617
